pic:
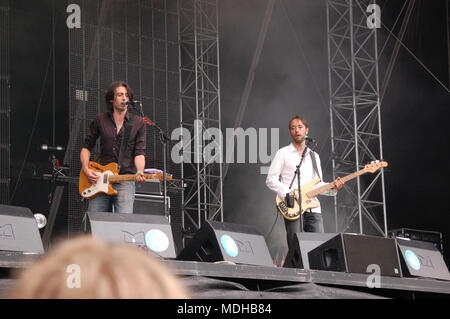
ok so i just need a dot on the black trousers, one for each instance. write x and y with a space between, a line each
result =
312 222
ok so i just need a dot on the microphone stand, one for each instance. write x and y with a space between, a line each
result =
299 199
164 139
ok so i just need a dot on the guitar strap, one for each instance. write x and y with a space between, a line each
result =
126 136
313 159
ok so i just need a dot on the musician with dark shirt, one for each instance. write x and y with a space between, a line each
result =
111 127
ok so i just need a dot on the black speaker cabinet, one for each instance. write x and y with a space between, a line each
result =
150 232
19 231
150 187
240 244
354 253
297 256
422 259
150 204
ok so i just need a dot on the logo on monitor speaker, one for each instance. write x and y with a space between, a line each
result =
229 245
136 238
6 232
412 259
156 240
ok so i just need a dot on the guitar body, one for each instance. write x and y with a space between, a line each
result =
307 203
109 174
88 190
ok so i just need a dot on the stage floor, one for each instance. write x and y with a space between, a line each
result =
225 280
273 276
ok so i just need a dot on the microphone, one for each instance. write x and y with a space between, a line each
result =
309 139
146 120
132 103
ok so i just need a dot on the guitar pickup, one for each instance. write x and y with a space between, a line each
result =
283 207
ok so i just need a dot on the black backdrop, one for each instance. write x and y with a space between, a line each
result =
414 113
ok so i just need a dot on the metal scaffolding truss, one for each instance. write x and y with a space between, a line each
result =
135 41
355 115
200 114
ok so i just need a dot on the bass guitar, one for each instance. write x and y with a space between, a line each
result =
309 193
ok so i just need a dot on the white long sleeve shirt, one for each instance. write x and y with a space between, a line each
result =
282 170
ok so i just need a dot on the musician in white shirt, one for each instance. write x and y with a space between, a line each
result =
282 171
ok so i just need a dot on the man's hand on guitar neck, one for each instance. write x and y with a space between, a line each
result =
140 177
139 162
338 184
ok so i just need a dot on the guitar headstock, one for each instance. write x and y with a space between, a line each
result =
375 166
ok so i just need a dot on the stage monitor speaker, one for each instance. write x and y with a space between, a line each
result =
422 259
354 253
216 241
150 232
304 242
19 231
419 235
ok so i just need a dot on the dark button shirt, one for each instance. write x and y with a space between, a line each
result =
103 126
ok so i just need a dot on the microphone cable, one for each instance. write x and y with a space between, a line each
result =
273 225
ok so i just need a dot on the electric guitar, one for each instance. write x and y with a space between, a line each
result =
309 194
109 174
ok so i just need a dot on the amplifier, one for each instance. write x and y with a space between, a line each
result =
150 204
150 187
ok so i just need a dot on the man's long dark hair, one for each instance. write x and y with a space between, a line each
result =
109 95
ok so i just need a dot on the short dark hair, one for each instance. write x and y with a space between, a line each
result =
305 123
109 95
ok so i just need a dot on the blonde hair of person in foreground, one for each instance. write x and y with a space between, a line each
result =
106 271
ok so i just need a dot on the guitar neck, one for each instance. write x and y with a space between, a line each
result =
131 177
329 186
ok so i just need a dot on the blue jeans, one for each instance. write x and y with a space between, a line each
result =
121 203
312 222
